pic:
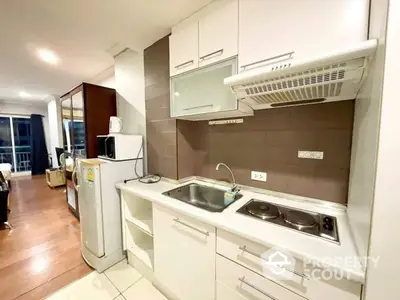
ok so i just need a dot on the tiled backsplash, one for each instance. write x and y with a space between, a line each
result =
269 142
161 129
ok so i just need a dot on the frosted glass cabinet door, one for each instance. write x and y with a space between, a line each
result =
203 91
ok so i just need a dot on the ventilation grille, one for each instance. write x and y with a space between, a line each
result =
340 80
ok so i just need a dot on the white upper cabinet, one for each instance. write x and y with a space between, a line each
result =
184 49
218 33
272 31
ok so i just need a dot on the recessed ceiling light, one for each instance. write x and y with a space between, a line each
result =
48 56
24 94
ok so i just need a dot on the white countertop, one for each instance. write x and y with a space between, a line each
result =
300 245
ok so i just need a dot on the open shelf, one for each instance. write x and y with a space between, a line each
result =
145 225
140 244
139 212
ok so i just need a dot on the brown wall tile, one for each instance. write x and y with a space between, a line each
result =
269 142
161 129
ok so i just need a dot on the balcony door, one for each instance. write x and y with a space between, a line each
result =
15 142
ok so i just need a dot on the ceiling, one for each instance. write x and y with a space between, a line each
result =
82 33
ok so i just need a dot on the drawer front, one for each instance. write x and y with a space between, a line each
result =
250 255
224 293
250 285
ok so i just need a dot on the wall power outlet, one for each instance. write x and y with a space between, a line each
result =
259 176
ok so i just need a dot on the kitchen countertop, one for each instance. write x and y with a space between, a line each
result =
301 246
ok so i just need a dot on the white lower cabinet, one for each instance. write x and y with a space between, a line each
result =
250 285
184 255
241 268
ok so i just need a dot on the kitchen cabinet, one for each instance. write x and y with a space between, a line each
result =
184 255
272 31
137 228
248 284
200 94
241 270
184 49
85 114
218 33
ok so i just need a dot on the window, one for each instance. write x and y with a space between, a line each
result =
15 142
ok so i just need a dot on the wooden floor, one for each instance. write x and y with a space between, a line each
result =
42 253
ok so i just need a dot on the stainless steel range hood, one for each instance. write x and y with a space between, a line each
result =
329 77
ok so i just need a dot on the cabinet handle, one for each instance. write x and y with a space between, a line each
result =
191 227
219 52
189 62
244 281
244 249
290 54
201 106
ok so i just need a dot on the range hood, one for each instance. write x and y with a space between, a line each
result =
333 76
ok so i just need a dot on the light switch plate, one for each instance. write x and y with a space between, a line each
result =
311 154
259 176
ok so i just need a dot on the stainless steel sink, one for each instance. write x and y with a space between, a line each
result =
202 196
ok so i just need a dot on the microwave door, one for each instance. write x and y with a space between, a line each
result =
110 147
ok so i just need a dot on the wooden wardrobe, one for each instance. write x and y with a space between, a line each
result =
85 114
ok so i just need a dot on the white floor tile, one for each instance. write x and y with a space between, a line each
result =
122 275
143 289
93 286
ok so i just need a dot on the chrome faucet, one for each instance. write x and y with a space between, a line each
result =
234 187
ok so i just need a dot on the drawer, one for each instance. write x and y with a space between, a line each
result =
248 284
224 293
250 255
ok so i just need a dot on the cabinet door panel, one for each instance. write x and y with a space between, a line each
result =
184 255
269 28
218 33
203 91
184 49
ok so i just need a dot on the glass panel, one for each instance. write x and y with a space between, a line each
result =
22 143
6 153
66 106
203 90
78 124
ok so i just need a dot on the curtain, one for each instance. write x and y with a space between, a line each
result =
39 155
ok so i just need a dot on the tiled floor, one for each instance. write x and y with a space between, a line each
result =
120 282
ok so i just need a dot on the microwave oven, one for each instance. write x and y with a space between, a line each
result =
120 147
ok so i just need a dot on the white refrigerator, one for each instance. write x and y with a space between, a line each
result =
100 209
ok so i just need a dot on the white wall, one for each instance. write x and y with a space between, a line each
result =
105 78
382 281
26 109
129 83
365 135
55 126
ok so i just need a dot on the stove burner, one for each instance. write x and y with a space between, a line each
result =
299 219
262 210
306 222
